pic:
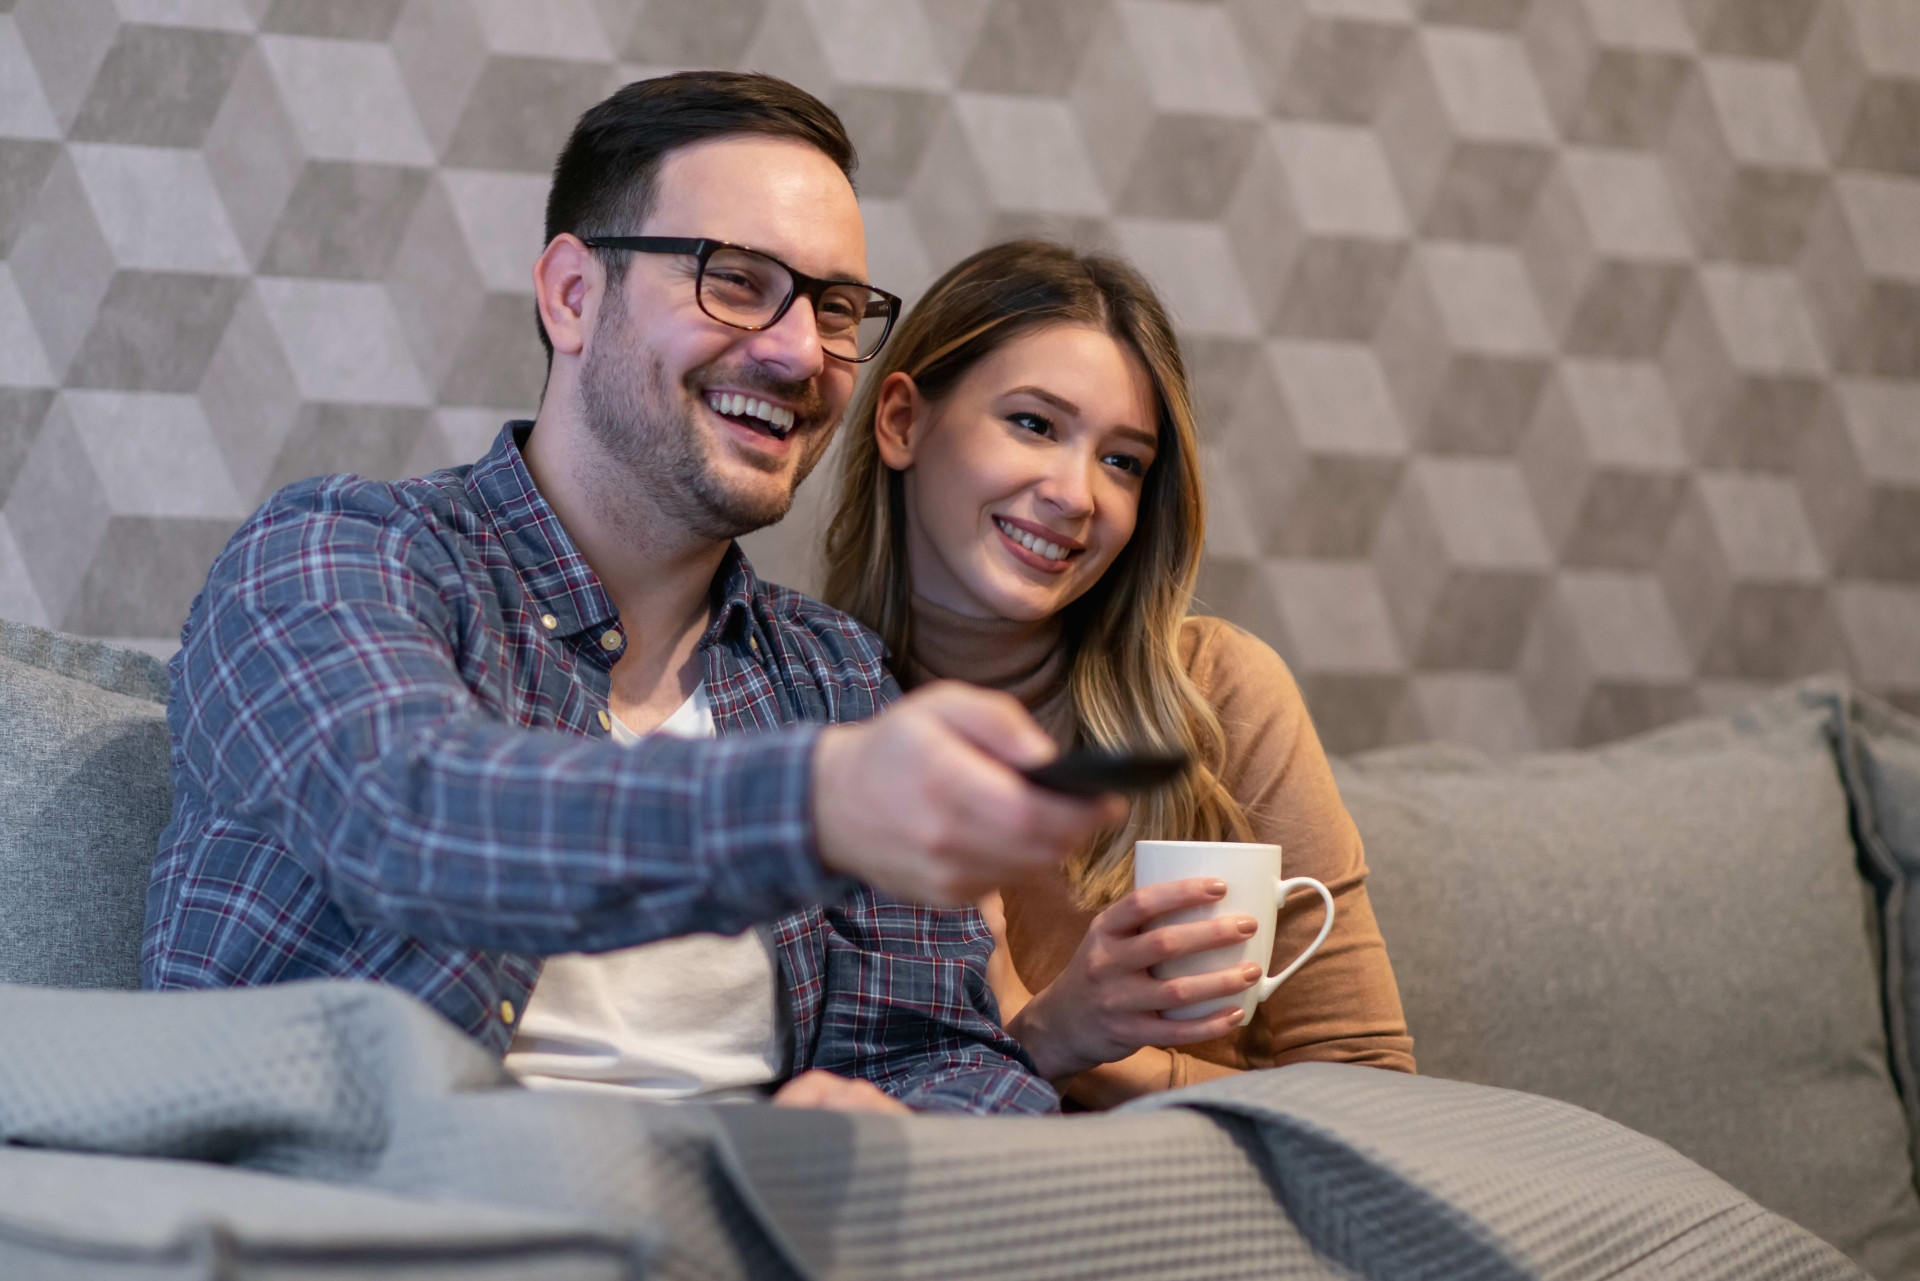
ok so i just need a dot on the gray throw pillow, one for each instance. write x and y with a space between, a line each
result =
1671 931
1884 775
84 794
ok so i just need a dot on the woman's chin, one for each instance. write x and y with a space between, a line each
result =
1022 602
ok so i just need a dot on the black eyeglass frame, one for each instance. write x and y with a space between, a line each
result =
702 249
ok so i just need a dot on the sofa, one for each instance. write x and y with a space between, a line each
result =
1663 996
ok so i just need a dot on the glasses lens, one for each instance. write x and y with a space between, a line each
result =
742 287
852 320
874 323
748 289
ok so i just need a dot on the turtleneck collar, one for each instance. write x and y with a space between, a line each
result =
1025 659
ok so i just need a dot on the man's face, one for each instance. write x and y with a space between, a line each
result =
658 372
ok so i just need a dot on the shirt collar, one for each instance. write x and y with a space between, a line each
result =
554 571
735 588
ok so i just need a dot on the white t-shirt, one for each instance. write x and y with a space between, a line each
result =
698 1015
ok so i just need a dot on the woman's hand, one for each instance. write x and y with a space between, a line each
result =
1009 989
1105 1004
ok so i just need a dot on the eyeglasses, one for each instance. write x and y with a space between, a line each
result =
751 290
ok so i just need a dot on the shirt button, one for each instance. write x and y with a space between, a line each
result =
753 643
549 622
610 639
506 1011
606 721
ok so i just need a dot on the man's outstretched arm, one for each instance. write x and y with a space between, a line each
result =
329 695
326 696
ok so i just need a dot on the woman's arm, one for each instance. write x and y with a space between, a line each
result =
1343 1005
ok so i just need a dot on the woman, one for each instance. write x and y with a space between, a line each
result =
1020 507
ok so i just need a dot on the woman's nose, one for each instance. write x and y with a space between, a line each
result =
1068 486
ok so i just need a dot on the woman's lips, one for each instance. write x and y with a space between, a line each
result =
1027 556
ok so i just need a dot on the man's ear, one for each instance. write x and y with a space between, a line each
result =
899 416
565 282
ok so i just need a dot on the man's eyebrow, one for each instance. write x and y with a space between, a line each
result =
1139 435
831 277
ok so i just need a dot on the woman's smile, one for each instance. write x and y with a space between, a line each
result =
1036 545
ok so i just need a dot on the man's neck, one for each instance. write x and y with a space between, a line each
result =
657 572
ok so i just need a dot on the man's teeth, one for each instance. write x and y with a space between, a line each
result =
1051 551
735 405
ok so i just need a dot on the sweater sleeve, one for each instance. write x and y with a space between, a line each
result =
1343 1005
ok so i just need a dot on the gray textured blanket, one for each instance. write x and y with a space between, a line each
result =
333 1129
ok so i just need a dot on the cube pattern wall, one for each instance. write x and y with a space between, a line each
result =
1560 359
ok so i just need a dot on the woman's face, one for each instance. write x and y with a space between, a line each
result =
1023 482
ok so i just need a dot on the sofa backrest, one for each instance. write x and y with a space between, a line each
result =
1673 931
84 794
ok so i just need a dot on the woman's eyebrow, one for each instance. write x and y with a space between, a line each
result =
1059 402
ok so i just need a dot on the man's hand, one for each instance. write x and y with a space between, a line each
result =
830 1093
925 801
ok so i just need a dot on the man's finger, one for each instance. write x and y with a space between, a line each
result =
992 722
1065 822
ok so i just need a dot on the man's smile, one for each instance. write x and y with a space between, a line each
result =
752 412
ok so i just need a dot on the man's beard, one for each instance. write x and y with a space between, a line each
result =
645 426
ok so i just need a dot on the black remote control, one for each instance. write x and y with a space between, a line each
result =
1095 771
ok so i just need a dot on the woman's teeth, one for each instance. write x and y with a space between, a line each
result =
775 420
1037 545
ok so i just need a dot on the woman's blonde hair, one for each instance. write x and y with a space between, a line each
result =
1125 677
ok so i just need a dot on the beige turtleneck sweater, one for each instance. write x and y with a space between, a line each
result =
1342 1005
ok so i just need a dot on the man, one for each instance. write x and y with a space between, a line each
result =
433 731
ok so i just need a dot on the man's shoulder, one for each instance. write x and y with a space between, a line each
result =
309 517
819 632
415 501
349 530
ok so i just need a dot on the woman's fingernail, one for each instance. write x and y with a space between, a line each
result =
1250 972
1216 888
1247 926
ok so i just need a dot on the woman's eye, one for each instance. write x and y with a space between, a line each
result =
1127 463
1035 423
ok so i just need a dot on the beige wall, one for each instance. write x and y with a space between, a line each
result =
1561 359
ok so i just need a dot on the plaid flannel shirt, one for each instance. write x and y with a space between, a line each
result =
392 761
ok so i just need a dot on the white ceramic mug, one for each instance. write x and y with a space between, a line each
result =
1254 888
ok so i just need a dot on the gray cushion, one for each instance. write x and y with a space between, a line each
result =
1884 771
1671 931
84 794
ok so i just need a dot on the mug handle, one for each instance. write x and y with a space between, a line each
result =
1281 890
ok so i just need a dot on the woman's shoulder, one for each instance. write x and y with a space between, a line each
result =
1248 685
1221 656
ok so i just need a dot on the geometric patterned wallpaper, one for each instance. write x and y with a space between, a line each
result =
1559 359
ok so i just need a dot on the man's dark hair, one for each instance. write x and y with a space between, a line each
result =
606 179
